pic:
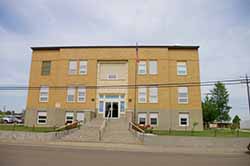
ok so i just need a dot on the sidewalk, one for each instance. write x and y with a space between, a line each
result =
129 147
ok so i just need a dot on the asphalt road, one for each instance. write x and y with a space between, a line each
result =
24 155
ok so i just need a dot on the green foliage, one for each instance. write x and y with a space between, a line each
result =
236 122
220 97
209 110
216 106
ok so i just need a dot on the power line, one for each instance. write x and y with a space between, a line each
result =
133 86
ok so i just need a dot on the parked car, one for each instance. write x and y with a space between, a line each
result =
9 119
18 120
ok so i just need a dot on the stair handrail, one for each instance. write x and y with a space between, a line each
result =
103 126
130 128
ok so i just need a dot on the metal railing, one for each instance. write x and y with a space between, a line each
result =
67 129
103 126
137 131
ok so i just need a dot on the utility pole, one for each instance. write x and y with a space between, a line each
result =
248 93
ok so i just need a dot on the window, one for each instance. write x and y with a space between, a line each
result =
83 67
183 119
153 67
41 117
142 95
101 105
122 106
46 65
153 117
142 69
72 67
182 95
142 118
44 94
153 94
181 68
69 117
71 94
81 94
112 77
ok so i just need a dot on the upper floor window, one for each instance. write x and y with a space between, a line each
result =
44 94
182 95
181 68
142 68
153 67
46 65
72 67
81 94
142 95
71 94
153 94
83 67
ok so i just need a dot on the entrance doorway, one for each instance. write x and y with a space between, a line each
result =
113 108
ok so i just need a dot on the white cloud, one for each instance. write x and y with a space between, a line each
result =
222 31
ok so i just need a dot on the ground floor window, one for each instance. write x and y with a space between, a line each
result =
183 119
69 117
41 117
101 105
122 106
142 118
153 119
80 117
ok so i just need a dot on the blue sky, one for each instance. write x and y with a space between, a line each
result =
221 28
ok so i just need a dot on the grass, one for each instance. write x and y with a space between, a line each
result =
11 127
205 133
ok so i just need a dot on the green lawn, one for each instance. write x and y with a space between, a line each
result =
11 127
205 133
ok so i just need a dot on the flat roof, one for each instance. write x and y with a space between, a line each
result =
118 46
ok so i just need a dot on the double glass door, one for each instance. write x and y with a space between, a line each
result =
112 109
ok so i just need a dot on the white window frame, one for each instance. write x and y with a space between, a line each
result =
142 66
83 67
69 114
181 91
142 115
153 67
44 93
80 97
180 67
71 91
72 67
154 115
153 94
184 116
142 94
39 114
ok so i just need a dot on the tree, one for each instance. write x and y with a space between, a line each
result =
236 122
209 111
220 98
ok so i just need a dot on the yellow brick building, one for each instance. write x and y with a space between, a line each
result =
84 82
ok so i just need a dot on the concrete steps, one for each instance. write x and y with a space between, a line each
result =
87 133
116 132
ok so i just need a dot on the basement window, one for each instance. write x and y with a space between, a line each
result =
41 117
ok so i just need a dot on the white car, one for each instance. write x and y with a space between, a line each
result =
9 119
